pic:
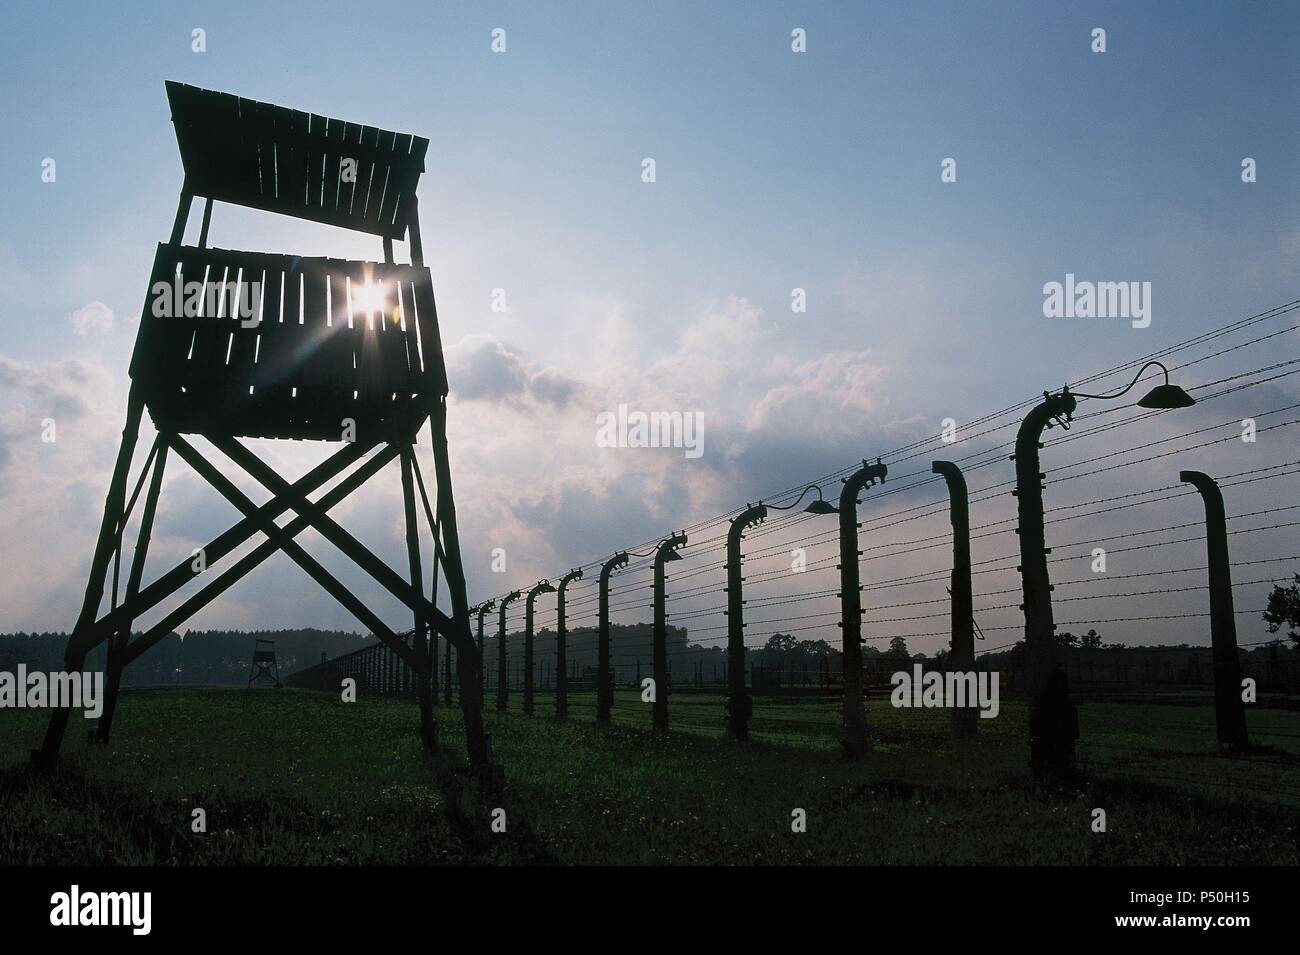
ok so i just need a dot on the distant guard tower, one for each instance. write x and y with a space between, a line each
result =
238 345
266 672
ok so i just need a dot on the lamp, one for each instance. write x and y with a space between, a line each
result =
819 506
1161 397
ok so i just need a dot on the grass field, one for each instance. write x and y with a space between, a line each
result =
296 776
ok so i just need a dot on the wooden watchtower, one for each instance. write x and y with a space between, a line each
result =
236 344
265 670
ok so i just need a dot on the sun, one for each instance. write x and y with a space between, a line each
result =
368 298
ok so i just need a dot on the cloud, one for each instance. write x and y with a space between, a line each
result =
95 318
52 491
537 484
738 323
482 368
64 391
831 393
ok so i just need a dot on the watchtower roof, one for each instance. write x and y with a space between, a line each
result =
291 162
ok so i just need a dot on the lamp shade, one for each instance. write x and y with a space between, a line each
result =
1167 396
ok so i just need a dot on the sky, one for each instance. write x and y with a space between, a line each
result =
775 170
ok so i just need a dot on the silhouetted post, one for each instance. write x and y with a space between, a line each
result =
481 609
561 637
503 671
605 692
118 643
74 657
856 742
1229 709
542 587
428 729
1051 728
740 706
666 551
965 719
446 673
434 651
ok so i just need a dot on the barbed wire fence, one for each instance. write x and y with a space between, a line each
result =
1123 500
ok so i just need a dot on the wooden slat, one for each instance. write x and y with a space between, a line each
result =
293 165
370 379
274 359
350 149
410 178
151 340
266 397
406 329
334 168
224 322
338 357
406 356
410 334
206 271
395 181
244 138
175 331
433 380
392 345
419 149
236 399
363 210
316 156
310 377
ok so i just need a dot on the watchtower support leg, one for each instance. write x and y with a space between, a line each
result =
117 643
413 234
182 217
446 682
433 582
207 221
74 657
471 697
424 690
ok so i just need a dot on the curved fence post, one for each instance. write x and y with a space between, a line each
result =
561 652
605 692
482 609
1229 710
503 675
542 587
666 551
1051 715
739 704
965 719
856 742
